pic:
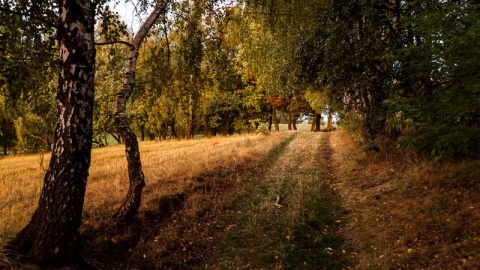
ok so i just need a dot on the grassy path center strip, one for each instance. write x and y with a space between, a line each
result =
301 230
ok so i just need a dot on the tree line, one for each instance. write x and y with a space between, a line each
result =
405 70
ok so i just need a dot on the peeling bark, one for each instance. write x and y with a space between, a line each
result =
129 208
52 235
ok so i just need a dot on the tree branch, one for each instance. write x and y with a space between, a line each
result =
142 32
45 21
164 21
130 45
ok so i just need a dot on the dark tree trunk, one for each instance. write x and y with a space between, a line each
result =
286 117
164 132
318 118
173 130
275 119
129 208
208 132
315 116
294 122
142 133
190 117
289 121
282 112
52 235
270 123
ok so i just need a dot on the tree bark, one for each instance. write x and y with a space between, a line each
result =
289 121
52 235
164 131
142 133
294 122
286 117
318 118
173 129
129 208
314 120
274 117
208 132
190 117
330 122
270 117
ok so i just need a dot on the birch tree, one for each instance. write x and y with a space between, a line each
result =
52 235
129 208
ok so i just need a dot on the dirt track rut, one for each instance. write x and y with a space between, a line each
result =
301 231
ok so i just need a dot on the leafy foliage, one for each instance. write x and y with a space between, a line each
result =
438 91
402 68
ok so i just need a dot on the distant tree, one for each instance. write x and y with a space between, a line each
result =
319 103
28 53
7 128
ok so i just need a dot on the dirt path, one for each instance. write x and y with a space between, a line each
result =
277 213
301 230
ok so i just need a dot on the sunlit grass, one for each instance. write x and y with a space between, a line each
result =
168 167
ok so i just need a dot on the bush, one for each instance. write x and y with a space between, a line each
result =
263 129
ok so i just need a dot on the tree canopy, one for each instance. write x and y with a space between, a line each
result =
406 69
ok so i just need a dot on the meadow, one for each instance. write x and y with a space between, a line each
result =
168 166
209 203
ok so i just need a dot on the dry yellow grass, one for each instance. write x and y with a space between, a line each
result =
168 167
407 213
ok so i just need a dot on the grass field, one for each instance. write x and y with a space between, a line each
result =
168 165
209 204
